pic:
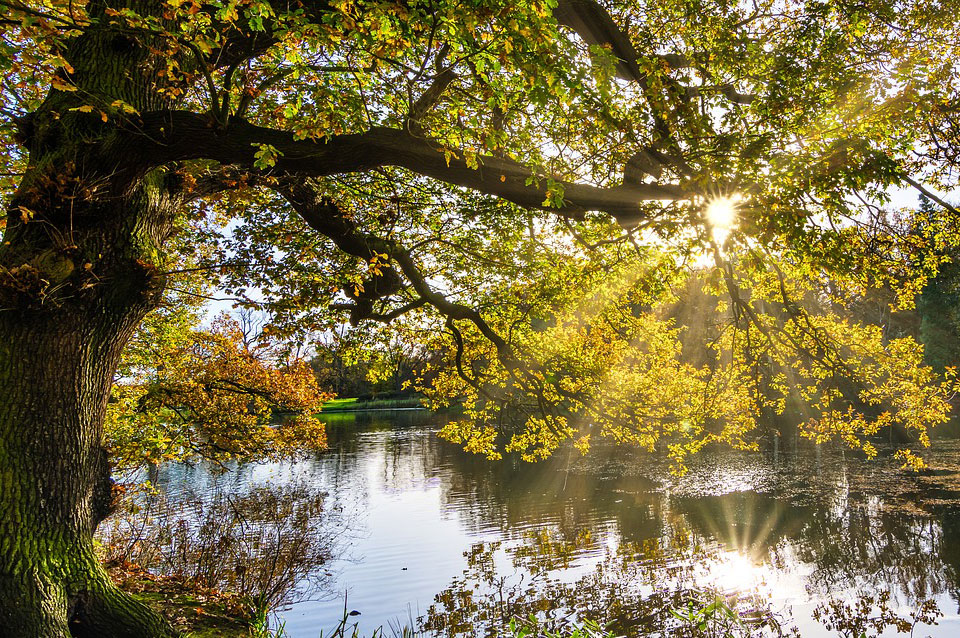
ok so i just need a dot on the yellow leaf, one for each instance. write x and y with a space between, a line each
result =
60 85
124 107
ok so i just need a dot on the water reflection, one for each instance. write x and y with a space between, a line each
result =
649 589
248 550
613 534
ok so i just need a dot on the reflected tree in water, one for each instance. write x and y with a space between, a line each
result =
648 589
873 569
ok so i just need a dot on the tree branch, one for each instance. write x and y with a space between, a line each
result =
428 100
593 23
324 216
181 135
385 317
928 193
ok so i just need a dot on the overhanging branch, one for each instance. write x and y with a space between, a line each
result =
323 216
181 135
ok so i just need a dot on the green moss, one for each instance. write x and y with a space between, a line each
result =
54 266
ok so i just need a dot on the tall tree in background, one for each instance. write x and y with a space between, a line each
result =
526 178
938 307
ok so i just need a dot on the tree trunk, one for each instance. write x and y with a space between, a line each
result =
80 265
71 295
77 275
56 369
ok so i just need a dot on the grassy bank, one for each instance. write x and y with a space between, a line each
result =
354 404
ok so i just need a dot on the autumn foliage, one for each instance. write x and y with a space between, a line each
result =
215 396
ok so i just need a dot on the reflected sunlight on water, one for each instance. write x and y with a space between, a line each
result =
432 527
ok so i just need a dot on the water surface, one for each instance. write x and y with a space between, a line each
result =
445 540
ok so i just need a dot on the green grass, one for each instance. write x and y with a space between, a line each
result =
339 404
350 404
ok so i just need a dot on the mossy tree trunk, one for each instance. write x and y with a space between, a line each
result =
80 265
66 315
67 310
56 370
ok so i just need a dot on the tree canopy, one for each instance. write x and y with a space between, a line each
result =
527 186
649 222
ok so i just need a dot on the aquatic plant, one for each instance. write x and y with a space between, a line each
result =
869 615
265 546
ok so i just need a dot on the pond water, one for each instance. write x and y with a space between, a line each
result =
440 539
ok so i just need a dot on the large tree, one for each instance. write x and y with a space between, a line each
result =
527 176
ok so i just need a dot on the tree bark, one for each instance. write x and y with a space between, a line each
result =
80 265
56 367
77 274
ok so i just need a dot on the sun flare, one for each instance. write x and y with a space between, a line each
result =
722 213
721 217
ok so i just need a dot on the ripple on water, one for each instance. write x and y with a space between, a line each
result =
427 514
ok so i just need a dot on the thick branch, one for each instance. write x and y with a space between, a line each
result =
180 135
324 216
594 25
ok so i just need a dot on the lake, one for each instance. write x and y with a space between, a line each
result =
433 537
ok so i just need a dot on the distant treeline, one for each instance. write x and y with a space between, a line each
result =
391 377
